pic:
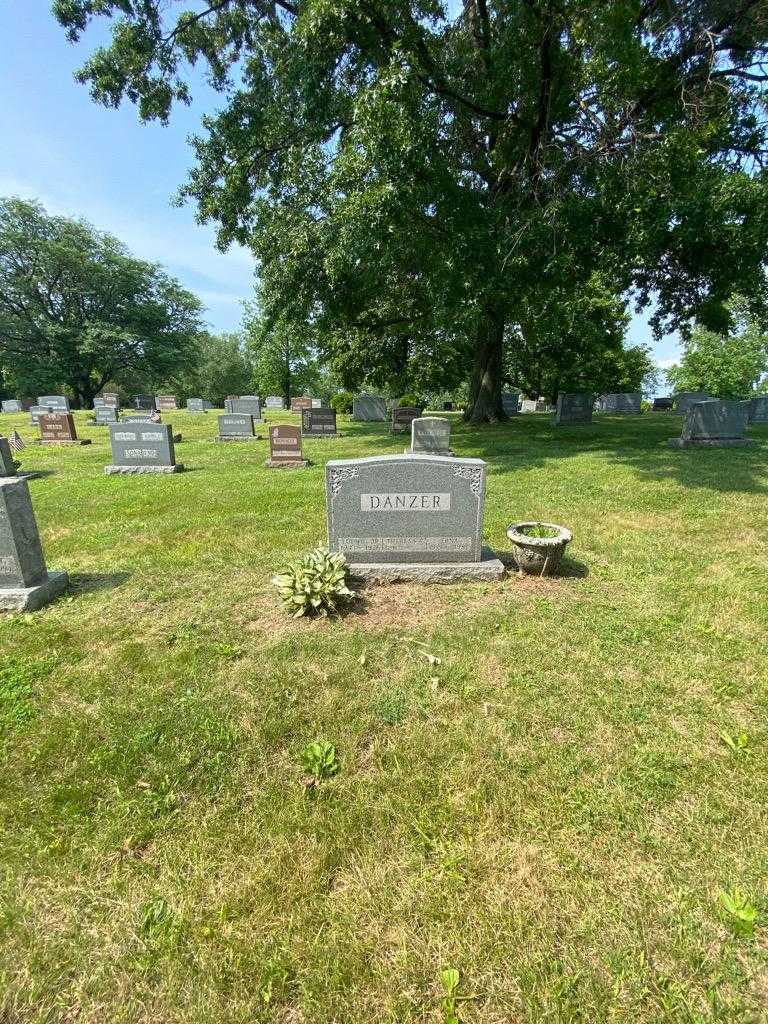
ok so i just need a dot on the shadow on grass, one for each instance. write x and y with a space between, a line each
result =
93 582
638 442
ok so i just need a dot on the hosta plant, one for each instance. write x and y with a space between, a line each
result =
314 584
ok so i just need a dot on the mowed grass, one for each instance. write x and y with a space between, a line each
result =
550 808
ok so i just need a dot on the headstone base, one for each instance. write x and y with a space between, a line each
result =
286 463
319 437
29 599
140 470
238 437
710 442
77 441
488 569
441 451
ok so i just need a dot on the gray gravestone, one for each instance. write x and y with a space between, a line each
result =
430 435
107 402
417 517
56 403
143 402
714 425
528 405
236 427
285 447
12 405
510 401
318 423
35 412
573 409
58 428
105 414
317 403
621 404
274 402
248 405
8 465
758 409
686 399
25 583
369 408
142 448
403 417
195 405
662 404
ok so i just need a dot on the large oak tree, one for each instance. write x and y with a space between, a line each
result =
413 176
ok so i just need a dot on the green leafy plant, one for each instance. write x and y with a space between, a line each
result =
538 531
449 1004
342 402
314 584
407 400
737 744
741 914
319 760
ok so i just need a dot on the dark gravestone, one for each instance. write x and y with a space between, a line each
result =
143 402
369 408
236 427
758 409
166 403
416 517
25 583
285 447
58 428
57 403
274 402
430 435
300 403
142 448
662 404
714 425
248 405
510 401
195 405
8 465
621 404
12 405
573 409
403 417
686 399
318 423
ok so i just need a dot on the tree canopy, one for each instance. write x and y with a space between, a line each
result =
78 311
424 186
733 364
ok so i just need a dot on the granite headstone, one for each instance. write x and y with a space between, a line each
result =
248 405
573 409
430 435
510 401
318 423
236 426
369 408
686 399
143 402
142 448
59 428
714 424
54 403
274 402
621 403
105 414
528 405
12 405
195 405
301 402
25 583
166 403
758 409
8 465
662 404
285 447
403 416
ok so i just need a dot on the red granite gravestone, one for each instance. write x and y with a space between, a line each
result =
59 428
285 447
301 402
166 403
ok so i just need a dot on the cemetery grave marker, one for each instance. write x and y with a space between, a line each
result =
510 401
236 427
13 405
403 416
195 405
166 403
105 414
573 409
758 409
317 403
59 428
274 402
369 408
714 424
447 406
143 402
318 423
25 582
139 448
8 465
662 404
248 405
54 403
621 404
410 517
285 447
110 401
300 403
430 435
686 399
528 405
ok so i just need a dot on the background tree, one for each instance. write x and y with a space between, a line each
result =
412 173
728 365
78 311
283 358
221 367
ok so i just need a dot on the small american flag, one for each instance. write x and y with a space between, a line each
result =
15 441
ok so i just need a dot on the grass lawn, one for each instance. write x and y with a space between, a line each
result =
551 809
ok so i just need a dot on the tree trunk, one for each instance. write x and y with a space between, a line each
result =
485 388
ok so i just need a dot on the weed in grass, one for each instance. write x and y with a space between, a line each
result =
739 912
738 744
158 922
319 761
450 980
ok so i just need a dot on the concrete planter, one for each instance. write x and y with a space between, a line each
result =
538 555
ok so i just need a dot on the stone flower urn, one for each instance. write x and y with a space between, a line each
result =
538 548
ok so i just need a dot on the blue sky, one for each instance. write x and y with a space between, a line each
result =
80 159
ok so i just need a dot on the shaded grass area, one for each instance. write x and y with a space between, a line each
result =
550 809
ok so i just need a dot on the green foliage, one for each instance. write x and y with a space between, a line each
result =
450 980
342 402
728 365
78 311
538 531
410 400
221 368
284 361
740 913
738 744
315 584
319 760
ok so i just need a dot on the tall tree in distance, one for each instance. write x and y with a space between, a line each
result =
401 170
281 352
78 311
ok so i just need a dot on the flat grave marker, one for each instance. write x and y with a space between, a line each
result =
285 447
573 409
139 448
318 423
59 428
410 517
25 582
430 435
714 424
